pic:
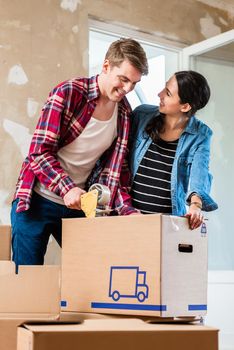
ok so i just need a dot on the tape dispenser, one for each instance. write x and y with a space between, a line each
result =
98 195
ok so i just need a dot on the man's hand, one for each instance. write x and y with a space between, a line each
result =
72 198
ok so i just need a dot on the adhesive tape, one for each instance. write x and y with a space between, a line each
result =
103 193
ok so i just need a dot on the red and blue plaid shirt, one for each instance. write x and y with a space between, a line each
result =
65 114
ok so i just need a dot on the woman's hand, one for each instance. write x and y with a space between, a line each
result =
195 216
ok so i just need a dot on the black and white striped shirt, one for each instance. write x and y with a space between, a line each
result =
151 189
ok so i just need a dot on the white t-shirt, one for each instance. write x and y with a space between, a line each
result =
79 157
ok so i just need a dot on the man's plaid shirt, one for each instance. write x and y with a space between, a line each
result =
65 114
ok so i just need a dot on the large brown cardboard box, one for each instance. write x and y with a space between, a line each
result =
144 265
115 334
5 242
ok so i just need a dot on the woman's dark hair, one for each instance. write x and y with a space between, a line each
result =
193 89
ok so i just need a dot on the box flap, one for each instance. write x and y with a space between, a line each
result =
117 325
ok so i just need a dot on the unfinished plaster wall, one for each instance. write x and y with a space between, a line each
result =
45 42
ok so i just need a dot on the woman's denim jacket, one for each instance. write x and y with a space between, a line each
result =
190 171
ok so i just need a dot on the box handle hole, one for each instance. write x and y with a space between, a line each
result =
185 248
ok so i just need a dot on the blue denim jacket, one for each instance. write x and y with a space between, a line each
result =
190 171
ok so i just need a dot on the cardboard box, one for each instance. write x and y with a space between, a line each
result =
115 334
33 293
8 327
150 265
8 333
5 242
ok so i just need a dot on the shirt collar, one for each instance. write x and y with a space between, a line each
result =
93 88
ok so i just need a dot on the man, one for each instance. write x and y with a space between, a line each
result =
81 138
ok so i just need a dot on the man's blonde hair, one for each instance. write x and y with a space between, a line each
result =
130 50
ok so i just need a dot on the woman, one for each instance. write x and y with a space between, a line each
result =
170 150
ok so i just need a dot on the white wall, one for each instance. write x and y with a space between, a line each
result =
219 116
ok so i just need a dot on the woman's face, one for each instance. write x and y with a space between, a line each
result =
169 98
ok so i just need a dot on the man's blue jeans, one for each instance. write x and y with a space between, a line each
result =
31 229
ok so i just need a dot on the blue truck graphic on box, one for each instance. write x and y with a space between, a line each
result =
128 282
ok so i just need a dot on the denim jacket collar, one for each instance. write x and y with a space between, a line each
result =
191 127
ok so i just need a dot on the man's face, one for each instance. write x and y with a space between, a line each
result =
118 81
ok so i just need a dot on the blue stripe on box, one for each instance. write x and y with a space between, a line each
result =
96 305
197 307
63 303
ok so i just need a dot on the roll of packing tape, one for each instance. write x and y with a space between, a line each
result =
103 193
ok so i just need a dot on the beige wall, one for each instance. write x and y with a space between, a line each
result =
45 42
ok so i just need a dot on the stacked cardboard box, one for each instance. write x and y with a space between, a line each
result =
32 294
115 334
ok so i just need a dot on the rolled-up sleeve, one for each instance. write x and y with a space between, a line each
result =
200 177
